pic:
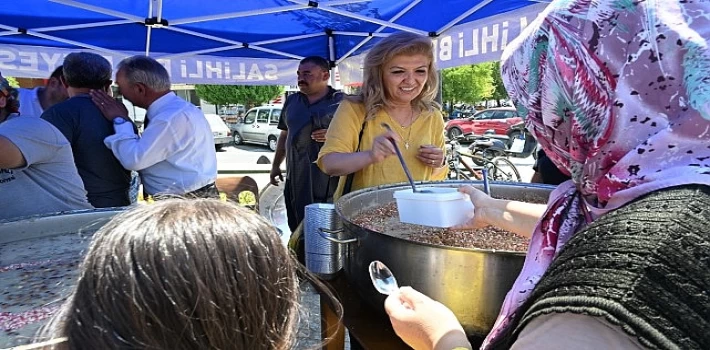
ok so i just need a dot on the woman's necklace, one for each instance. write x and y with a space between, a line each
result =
409 132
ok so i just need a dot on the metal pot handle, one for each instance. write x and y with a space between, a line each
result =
322 232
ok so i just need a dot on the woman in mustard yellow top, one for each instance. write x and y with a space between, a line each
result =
399 87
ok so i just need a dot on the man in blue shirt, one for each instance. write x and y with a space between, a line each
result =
82 123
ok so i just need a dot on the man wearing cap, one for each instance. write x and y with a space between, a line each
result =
37 171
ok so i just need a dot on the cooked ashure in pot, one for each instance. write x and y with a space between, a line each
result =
385 219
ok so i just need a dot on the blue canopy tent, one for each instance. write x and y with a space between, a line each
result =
248 42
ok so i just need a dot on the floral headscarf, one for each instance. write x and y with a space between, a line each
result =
10 94
617 92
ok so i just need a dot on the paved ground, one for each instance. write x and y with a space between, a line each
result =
309 330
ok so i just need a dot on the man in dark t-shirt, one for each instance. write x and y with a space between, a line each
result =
546 171
304 120
82 123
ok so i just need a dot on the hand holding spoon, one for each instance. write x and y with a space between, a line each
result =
404 165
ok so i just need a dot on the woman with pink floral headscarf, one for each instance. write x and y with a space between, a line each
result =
617 92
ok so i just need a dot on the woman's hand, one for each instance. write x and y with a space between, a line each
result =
480 201
431 156
514 216
424 323
382 146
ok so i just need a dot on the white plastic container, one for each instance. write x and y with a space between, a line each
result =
438 207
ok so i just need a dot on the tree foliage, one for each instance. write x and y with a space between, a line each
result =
467 84
248 95
499 92
12 81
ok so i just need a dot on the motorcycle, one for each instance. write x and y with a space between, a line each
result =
518 131
517 142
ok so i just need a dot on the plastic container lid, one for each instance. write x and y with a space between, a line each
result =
432 194
442 207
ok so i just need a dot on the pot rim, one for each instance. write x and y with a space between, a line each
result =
446 183
65 213
44 225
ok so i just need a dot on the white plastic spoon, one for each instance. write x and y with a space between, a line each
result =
382 278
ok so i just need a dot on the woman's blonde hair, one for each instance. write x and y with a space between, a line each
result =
373 93
183 274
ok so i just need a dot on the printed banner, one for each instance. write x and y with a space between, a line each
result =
39 62
483 40
476 42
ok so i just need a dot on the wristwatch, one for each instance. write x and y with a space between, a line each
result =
119 120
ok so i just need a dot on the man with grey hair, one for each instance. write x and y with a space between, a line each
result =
175 154
105 180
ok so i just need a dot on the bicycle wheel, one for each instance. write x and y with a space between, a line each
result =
502 169
464 176
458 174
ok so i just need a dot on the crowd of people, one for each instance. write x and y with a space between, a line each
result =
70 145
615 95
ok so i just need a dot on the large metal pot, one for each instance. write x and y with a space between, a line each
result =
471 282
32 240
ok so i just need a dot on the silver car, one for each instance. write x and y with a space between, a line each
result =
220 131
259 126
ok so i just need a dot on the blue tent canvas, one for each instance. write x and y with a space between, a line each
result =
255 41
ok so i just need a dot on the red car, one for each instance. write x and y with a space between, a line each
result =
496 119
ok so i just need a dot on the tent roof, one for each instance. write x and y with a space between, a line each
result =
263 29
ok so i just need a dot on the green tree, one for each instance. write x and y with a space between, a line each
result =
499 92
467 84
248 95
12 81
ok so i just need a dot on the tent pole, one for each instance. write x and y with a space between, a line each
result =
235 45
331 55
160 10
291 38
277 9
76 43
99 9
149 29
360 34
84 25
240 14
147 40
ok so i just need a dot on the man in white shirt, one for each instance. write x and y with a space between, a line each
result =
175 155
33 102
